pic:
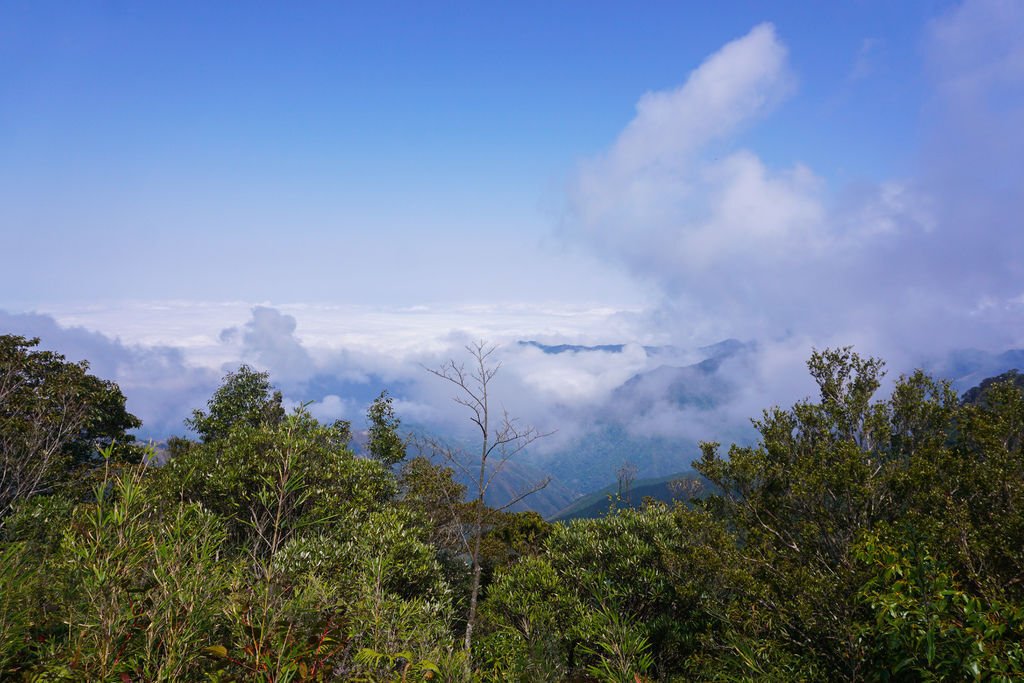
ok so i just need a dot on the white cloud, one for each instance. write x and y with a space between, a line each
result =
976 48
332 407
268 340
743 79
645 192
741 248
668 203
159 382
340 357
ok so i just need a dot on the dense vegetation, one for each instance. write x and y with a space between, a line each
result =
859 539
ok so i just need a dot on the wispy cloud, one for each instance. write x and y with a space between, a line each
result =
864 64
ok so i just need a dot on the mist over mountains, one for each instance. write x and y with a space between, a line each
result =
607 404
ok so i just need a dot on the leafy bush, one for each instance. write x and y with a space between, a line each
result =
926 627
138 585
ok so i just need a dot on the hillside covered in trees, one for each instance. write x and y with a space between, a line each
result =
861 538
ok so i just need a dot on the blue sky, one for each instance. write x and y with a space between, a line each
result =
353 189
326 151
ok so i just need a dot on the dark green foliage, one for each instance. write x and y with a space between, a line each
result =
984 490
127 587
327 564
926 626
979 393
271 479
918 468
244 398
436 500
265 551
142 587
860 539
17 579
384 444
639 589
54 416
513 535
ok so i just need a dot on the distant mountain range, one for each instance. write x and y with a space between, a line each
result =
554 349
697 386
590 463
966 368
681 486
977 395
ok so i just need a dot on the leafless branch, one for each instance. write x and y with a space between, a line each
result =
498 444
533 489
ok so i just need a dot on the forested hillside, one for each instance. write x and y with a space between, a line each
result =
633 493
860 538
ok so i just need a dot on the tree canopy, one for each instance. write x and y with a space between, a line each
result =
860 538
54 416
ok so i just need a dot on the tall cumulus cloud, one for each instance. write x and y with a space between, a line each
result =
741 248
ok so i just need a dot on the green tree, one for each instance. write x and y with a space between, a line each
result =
271 479
924 625
384 443
54 416
141 588
639 592
799 498
325 563
245 396
20 580
917 470
979 526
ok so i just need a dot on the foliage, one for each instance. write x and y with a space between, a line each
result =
980 394
384 443
524 618
245 397
919 465
431 493
639 590
361 583
861 538
984 494
511 536
53 417
16 578
272 479
620 653
927 627
278 630
138 585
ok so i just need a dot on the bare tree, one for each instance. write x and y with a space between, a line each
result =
501 438
626 475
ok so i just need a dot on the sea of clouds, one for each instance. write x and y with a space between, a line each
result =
907 268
